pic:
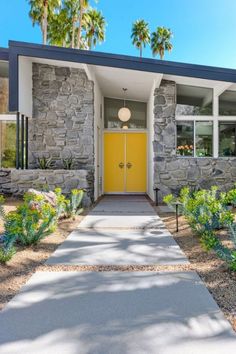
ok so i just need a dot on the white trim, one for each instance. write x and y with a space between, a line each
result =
8 117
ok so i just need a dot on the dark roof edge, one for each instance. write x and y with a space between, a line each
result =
4 54
123 61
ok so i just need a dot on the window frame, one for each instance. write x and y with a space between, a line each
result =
215 118
4 117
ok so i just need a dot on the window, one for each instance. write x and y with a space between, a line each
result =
193 100
3 94
7 144
204 139
138 114
185 138
195 136
227 103
227 138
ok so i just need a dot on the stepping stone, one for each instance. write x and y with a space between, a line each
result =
121 221
116 247
114 313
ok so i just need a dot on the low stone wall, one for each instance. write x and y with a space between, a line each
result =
5 181
174 173
19 181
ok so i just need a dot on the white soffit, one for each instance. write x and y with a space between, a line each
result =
112 80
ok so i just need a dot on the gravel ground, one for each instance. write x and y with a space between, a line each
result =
218 279
27 260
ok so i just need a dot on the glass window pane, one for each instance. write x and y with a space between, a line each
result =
8 144
138 114
3 94
204 139
227 137
192 100
227 103
185 139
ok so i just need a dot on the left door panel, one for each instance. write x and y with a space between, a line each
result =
114 163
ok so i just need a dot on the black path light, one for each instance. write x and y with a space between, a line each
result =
156 195
177 214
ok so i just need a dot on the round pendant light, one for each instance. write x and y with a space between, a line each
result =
124 113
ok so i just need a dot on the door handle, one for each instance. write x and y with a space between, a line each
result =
129 165
121 165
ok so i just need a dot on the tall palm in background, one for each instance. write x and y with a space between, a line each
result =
94 25
140 35
160 41
72 8
40 11
83 5
59 29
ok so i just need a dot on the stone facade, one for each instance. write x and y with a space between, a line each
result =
172 172
63 117
19 181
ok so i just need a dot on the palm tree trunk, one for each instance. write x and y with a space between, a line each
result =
45 21
141 51
73 34
80 23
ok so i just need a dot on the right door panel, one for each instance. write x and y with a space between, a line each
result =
136 157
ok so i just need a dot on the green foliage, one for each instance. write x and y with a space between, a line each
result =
209 240
6 254
68 163
45 163
140 35
206 212
160 41
33 220
73 205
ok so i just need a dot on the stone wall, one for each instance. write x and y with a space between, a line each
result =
63 116
171 172
19 181
5 181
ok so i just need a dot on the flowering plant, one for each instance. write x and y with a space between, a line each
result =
185 150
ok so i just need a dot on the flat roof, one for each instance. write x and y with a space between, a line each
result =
121 61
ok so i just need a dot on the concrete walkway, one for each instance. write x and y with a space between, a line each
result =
120 231
116 312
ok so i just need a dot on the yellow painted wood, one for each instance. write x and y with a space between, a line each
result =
136 156
114 154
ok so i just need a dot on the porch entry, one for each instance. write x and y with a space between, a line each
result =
125 162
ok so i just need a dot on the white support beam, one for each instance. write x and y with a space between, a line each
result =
158 80
218 90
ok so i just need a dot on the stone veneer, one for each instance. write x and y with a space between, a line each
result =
172 172
19 181
3 94
63 116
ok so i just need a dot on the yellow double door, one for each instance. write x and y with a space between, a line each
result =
125 162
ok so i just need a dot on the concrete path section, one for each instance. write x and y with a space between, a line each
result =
120 231
114 313
118 247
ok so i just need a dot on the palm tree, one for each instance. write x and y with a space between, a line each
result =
160 41
40 10
59 29
83 5
94 25
140 35
72 8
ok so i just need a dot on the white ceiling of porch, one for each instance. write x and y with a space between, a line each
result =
112 80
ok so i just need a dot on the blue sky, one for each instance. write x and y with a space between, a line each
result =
204 30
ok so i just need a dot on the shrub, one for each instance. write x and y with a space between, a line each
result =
73 205
33 220
206 211
45 163
6 254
